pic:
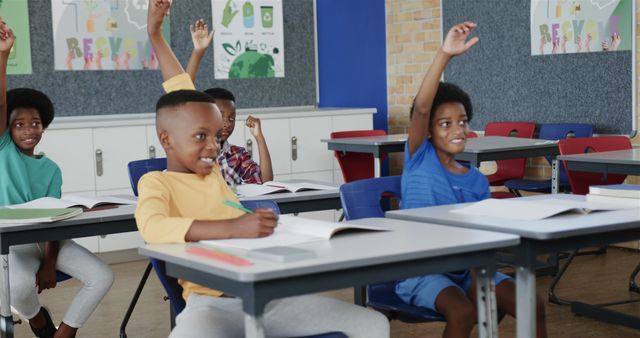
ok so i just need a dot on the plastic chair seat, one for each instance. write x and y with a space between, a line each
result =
383 298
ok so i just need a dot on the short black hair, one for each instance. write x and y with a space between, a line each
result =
181 97
30 98
448 92
220 94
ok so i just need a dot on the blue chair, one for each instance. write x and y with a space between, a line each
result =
364 198
551 131
141 167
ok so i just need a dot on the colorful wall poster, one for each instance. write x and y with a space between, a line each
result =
566 26
16 14
102 35
249 41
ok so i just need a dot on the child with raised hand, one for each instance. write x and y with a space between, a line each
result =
24 176
186 203
235 162
431 176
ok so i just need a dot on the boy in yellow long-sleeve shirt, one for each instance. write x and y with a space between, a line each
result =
185 204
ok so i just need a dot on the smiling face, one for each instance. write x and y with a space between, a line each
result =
228 110
190 136
449 128
26 129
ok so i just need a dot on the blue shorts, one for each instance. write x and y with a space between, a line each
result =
423 291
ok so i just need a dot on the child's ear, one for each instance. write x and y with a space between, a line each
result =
165 140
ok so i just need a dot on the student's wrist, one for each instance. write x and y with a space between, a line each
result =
443 54
199 51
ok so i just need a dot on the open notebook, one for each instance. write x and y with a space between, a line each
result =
292 230
273 186
36 215
531 210
71 201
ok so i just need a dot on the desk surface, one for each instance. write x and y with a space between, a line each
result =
370 140
629 156
122 212
555 227
407 241
287 197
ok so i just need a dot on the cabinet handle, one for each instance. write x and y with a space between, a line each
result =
99 162
250 148
152 152
294 148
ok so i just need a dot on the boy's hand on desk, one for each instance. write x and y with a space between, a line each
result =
46 277
158 9
455 43
259 224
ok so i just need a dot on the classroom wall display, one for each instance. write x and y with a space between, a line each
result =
16 14
249 41
102 35
564 26
507 83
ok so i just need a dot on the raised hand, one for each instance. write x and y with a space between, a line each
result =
563 44
88 62
579 43
98 60
127 58
158 9
69 60
6 37
543 41
200 35
455 43
254 126
554 46
587 43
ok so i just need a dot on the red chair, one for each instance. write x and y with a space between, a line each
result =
509 169
580 181
356 166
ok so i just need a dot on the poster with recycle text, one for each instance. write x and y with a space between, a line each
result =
249 39
102 35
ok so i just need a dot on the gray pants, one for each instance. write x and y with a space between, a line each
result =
206 316
74 260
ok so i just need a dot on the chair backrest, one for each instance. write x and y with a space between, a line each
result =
513 168
355 166
559 131
141 167
363 198
472 134
580 181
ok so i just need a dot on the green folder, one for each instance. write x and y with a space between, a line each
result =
20 216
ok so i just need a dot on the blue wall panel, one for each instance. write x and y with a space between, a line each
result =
352 55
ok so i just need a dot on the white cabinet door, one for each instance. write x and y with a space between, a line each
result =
72 150
312 155
276 133
118 146
154 149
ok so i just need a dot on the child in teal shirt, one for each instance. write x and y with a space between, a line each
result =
24 176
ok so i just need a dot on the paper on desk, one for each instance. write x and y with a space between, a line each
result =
531 210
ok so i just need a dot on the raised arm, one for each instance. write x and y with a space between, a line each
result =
265 159
201 40
6 42
169 64
455 43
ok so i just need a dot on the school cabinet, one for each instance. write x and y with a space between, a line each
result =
93 152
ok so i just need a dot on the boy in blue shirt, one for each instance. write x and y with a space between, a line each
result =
24 176
431 176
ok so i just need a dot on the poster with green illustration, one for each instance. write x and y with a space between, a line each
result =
249 39
16 14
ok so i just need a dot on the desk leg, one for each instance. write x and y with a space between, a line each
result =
253 326
486 300
526 302
6 324
555 176
377 165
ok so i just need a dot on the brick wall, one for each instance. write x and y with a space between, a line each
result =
413 37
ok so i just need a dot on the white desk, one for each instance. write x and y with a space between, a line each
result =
477 149
99 222
303 201
349 259
563 232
